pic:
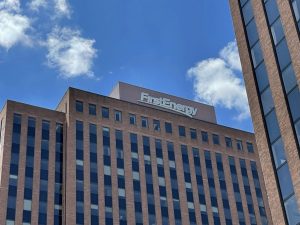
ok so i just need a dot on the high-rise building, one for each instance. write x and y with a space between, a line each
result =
267 33
136 157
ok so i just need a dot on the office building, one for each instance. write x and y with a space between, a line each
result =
135 157
267 34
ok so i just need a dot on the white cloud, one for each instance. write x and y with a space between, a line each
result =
71 54
13 29
62 8
216 82
10 5
35 5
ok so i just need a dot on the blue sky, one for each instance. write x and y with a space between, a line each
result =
184 48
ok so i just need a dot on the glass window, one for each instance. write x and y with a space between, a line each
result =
289 78
79 106
168 127
277 31
278 153
272 125
228 142
247 12
144 122
283 54
193 133
118 116
256 54
92 109
156 125
132 119
105 112
272 10
204 136
267 101
252 33
297 127
285 181
216 140
250 147
262 77
294 102
239 145
292 210
181 130
296 7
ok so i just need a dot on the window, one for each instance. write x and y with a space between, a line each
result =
289 78
272 125
92 109
285 181
168 127
283 54
262 77
193 133
277 31
216 140
250 147
204 136
252 33
256 54
239 145
247 12
156 125
79 106
228 142
105 112
118 116
181 130
272 11
132 119
292 211
144 122
294 99
278 153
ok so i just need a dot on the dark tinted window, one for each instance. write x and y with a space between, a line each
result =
204 136
247 12
256 54
252 33
181 130
132 119
278 153
168 127
267 101
277 31
144 122
118 116
92 109
272 10
79 106
250 147
289 78
294 102
272 125
283 54
228 142
216 140
156 125
193 133
105 112
285 181
262 77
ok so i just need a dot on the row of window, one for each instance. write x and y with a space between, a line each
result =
168 127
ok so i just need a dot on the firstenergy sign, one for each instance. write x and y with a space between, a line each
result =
168 104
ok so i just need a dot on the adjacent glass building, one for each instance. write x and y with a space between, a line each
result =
267 33
136 157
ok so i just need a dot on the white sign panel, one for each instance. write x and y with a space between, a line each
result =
168 104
